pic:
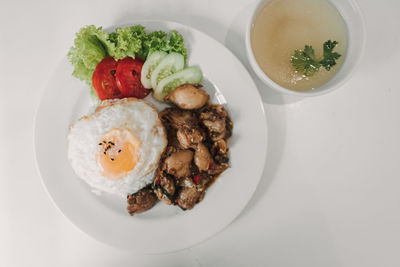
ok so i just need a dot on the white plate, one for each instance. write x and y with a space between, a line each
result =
164 228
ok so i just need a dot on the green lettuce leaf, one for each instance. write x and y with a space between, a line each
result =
160 41
128 41
91 46
155 41
176 44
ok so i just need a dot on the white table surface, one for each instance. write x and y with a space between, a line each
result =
330 192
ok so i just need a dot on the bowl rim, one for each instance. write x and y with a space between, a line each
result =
275 86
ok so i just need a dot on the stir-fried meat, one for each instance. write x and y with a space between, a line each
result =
164 188
220 147
213 111
196 154
229 128
202 157
178 163
190 194
214 118
204 131
188 97
168 185
143 200
177 117
162 196
215 125
220 110
216 169
219 151
189 137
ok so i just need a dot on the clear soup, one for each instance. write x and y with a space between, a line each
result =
281 26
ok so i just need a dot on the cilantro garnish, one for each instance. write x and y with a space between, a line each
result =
305 61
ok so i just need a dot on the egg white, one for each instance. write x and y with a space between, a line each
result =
135 115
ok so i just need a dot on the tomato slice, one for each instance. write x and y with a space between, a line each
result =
128 78
103 79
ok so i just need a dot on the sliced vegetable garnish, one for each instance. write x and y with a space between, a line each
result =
93 44
128 78
149 65
170 64
104 82
191 75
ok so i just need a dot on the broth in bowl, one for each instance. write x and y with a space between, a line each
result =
283 26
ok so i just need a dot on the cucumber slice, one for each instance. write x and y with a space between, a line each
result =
149 65
170 64
191 75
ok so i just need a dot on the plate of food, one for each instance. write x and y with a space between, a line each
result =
150 136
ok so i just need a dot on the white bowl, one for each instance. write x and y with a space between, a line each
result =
353 18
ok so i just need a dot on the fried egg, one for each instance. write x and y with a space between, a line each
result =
116 149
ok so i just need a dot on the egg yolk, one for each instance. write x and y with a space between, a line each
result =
118 153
